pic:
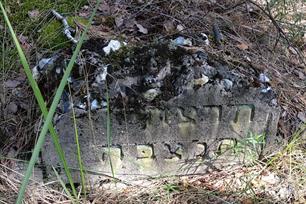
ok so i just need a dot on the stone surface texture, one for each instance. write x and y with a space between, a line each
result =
177 138
185 127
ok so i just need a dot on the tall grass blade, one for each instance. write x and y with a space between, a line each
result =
64 186
109 133
76 135
57 97
40 101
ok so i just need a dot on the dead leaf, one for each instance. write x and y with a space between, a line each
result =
24 41
119 21
169 26
85 11
11 83
247 201
141 28
104 8
34 14
243 46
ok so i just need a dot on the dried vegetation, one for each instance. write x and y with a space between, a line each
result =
255 38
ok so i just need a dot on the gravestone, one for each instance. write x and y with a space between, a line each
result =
186 133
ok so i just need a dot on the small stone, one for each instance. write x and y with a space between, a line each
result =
81 106
264 78
35 73
266 90
205 38
101 76
227 84
179 27
201 81
144 151
94 105
209 71
151 94
182 41
58 70
270 178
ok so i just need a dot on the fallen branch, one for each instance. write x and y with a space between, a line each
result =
67 28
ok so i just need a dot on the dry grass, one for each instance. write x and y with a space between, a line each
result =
252 40
282 182
37 192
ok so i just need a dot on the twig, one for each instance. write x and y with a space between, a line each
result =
280 30
67 28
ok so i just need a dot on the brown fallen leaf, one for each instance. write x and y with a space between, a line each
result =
243 46
247 201
169 26
25 44
12 83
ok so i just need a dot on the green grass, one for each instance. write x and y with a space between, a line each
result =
39 98
48 115
52 37
76 134
72 199
19 11
109 134
36 29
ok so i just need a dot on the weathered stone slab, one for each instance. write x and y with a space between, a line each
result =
182 136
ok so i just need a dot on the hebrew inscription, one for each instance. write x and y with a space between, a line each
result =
173 138
112 157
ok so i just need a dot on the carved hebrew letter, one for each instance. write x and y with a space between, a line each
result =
145 159
242 120
112 156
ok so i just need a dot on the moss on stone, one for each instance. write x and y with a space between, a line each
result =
18 12
52 35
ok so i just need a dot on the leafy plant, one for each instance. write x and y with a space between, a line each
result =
248 148
169 187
